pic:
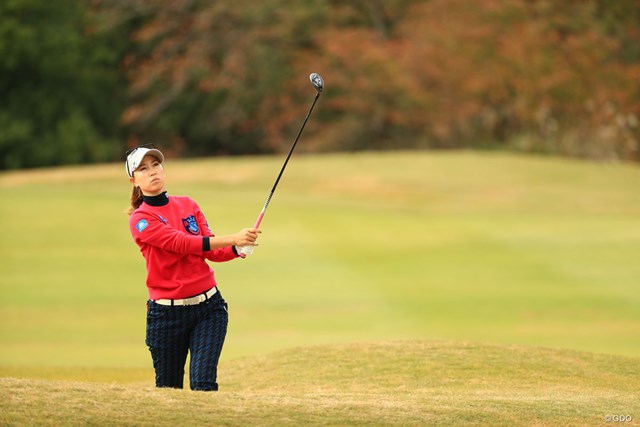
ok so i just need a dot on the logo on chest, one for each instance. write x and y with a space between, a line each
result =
191 225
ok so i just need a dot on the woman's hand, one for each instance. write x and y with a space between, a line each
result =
246 237
246 241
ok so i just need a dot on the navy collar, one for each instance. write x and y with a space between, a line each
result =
159 200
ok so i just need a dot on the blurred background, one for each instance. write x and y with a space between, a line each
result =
82 80
470 171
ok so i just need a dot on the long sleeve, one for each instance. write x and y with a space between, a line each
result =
217 255
151 230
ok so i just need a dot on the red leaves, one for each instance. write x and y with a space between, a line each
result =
450 72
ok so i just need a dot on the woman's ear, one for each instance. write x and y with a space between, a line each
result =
132 180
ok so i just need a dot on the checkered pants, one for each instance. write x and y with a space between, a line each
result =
174 331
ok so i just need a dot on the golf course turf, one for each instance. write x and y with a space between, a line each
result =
388 288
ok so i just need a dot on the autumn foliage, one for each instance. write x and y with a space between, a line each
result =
205 77
530 75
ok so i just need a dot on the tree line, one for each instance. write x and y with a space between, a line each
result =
82 80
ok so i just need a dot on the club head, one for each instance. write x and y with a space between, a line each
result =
316 81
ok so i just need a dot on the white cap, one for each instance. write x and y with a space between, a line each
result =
136 156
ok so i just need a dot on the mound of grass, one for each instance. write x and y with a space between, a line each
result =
390 383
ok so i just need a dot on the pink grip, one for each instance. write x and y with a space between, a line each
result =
259 220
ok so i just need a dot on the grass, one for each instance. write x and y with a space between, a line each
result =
497 249
388 383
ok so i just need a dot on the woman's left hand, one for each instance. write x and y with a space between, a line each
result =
246 237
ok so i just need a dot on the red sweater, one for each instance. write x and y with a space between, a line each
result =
169 232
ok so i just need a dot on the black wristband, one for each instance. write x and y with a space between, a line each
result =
206 244
235 251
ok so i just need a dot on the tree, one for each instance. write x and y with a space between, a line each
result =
60 93
213 75
79 77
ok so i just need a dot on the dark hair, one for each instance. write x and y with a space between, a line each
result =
136 199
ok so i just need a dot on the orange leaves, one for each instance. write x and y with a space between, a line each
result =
450 72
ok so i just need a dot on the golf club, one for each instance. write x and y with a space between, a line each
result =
318 84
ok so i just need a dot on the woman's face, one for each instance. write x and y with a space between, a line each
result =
149 176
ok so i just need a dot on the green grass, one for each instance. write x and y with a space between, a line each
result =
489 247
498 249
389 383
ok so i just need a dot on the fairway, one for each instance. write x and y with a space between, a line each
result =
496 248
491 247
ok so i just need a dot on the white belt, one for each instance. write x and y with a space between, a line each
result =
189 301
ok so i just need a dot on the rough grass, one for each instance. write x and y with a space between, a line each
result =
389 383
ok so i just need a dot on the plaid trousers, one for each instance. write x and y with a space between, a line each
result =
173 331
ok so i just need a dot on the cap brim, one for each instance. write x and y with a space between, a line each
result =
155 153
134 159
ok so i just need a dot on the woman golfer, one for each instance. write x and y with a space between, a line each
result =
185 311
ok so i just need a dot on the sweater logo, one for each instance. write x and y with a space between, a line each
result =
190 224
141 225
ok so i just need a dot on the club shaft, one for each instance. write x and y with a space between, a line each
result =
273 190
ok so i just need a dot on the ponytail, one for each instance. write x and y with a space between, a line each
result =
136 199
